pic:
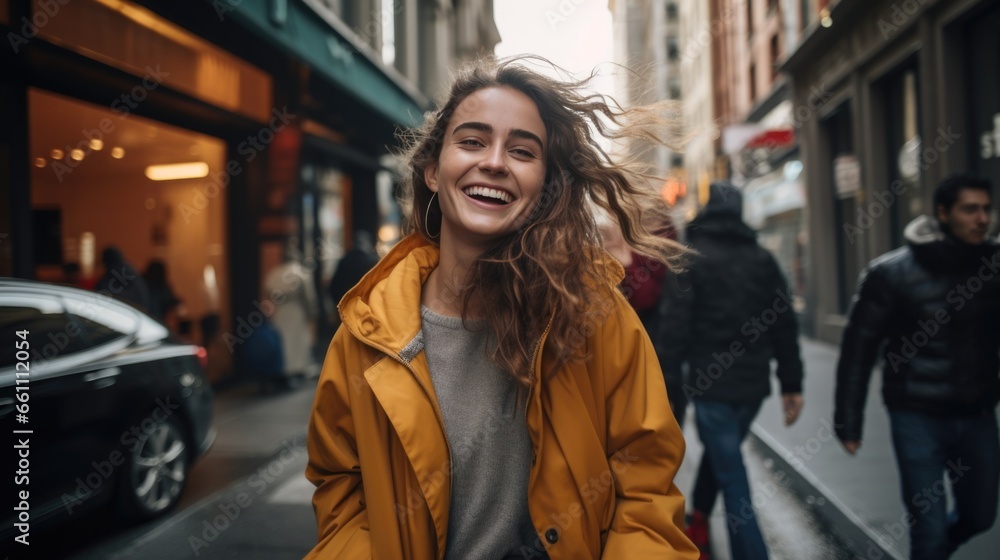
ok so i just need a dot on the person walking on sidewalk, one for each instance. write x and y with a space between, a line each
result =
936 304
490 393
732 316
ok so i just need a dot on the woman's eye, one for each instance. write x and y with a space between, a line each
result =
523 152
471 142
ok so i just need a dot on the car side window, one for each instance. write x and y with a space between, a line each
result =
96 333
51 333
104 319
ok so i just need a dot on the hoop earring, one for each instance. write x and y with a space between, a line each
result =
427 214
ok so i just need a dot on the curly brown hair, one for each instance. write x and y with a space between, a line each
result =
552 267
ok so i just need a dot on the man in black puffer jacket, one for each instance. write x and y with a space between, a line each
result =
732 315
936 304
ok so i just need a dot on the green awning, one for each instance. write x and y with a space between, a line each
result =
299 30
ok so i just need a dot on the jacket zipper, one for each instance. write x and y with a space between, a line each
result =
533 355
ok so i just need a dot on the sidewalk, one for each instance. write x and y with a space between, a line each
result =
859 496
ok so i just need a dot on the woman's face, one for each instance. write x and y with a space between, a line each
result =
491 169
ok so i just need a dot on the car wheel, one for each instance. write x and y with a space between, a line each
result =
155 473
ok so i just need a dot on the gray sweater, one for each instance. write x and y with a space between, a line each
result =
490 446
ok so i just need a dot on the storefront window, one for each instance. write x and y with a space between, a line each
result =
846 180
130 37
390 222
905 163
151 189
773 205
983 72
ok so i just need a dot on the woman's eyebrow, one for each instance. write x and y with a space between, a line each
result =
480 126
488 129
521 133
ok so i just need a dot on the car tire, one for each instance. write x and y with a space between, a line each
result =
155 473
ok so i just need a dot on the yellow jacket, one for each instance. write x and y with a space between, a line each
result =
606 446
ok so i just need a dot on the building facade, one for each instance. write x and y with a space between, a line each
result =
220 137
698 30
911 93
759 134
647 45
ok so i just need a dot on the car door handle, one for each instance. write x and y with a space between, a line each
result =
102 374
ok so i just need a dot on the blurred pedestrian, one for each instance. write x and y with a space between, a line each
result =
163 301
935 302
490 348
353 266
121 280
291 289
732 317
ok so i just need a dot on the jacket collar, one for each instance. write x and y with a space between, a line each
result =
383 309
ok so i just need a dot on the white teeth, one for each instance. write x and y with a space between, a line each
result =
488 192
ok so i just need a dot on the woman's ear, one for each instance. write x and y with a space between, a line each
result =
431 176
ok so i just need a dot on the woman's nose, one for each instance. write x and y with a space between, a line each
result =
493 160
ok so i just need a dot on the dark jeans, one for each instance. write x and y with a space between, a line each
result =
721 428
966 452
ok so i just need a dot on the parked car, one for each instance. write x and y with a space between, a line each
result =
110 408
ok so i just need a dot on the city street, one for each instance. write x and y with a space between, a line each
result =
195 196
248 498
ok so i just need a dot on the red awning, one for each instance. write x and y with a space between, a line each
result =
772 138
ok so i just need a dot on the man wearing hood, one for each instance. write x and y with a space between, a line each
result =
935 302
729 320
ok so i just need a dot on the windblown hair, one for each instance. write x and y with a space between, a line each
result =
552 267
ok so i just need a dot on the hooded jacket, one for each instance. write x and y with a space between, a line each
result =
605 445
936 304
730 315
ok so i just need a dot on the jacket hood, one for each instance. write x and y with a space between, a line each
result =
720 225
383 308
723 198
936 250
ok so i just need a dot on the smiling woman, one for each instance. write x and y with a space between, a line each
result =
501 320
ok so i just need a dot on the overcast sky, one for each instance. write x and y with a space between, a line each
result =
574 34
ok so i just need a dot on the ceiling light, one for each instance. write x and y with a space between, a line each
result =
118 152
96 145
57 154
40 162
76 155
174 171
